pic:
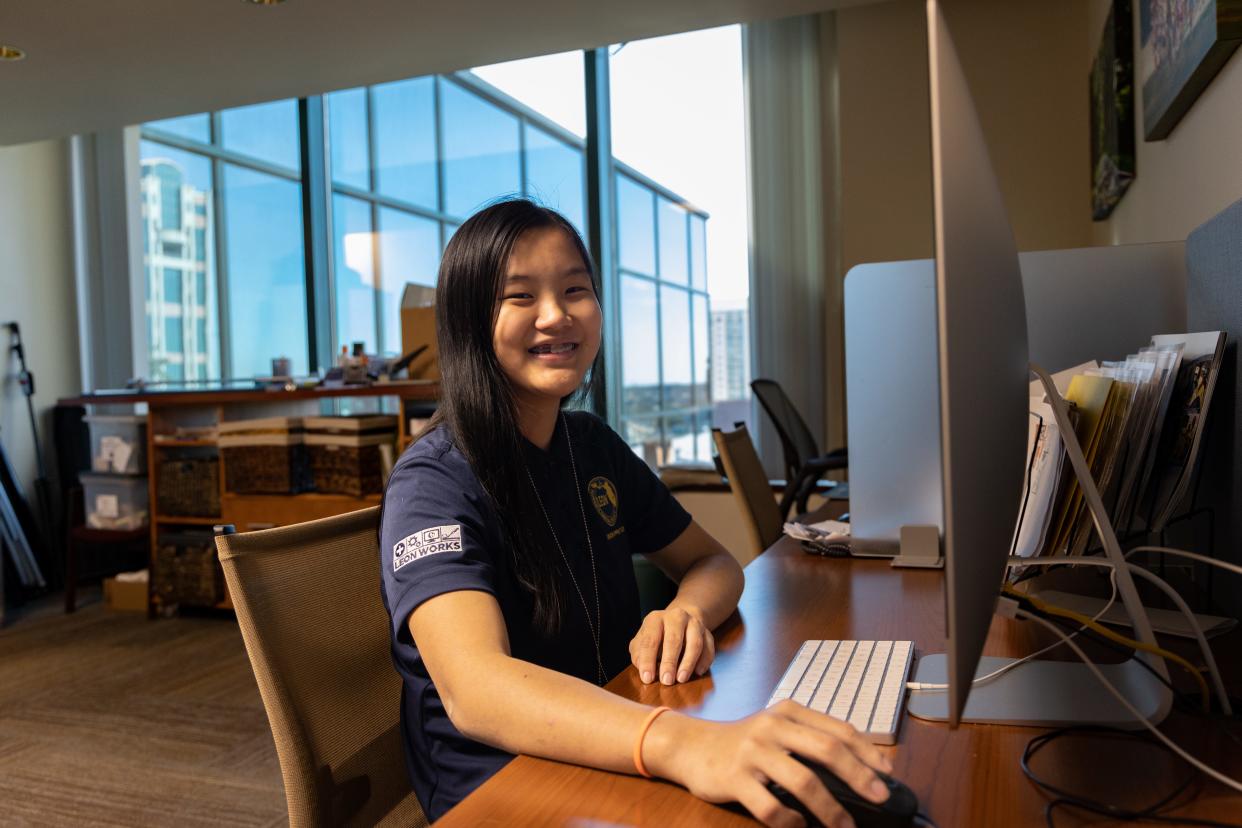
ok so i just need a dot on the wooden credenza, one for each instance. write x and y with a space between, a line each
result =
167 410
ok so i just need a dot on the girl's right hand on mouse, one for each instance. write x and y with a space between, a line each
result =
734 761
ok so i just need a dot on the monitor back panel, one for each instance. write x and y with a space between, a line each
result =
1083 304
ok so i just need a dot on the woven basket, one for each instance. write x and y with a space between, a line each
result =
187 570
189 487
351 470
266 469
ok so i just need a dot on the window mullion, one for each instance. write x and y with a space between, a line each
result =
222 254
601 226
316 226
377 266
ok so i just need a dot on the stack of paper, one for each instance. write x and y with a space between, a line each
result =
1140 425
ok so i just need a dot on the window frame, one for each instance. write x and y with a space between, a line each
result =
218 157
662 414
600 218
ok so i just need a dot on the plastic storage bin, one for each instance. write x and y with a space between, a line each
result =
114 501
347 454
265 456
118 443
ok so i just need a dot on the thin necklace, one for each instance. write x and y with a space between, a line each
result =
595 627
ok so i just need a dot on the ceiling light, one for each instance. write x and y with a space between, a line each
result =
11 53
263 2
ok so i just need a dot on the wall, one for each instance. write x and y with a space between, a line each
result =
1188 177
37 291
1023 61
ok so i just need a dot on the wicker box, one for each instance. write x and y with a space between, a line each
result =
265 456
349 455
187 570
189 487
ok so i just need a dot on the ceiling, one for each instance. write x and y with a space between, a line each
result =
95 64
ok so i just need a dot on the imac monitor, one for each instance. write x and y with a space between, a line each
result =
983 395
984 391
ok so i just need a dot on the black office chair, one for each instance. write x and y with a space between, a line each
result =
804 465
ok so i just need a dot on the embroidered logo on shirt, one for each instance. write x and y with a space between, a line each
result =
604 498
429 541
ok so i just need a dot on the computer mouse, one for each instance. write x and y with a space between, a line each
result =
898 811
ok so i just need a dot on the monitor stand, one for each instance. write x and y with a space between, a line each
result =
1042 693
1051 693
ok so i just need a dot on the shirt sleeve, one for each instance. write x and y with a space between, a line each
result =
653 517
434 535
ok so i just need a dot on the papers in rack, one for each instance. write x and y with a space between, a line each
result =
1140 423
1045 455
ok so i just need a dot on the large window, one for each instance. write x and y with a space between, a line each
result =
230 215
410 161
223 243
666 412
677 115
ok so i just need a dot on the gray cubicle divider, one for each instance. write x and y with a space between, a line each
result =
1214 303
1081 304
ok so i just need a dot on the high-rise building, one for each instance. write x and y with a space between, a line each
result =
730 354
176 254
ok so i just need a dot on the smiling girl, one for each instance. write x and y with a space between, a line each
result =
506 539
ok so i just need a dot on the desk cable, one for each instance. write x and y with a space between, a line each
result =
995 674
1208 658
1159 811
1205 649
1194 556
1045 609
1169 743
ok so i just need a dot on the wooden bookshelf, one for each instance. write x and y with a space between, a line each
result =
169 410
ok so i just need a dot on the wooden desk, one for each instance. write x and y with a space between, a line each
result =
964 777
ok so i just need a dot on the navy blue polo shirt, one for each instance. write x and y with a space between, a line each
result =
440 534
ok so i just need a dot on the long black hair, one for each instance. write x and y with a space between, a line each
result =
476 401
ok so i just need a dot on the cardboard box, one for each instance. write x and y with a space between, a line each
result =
125 595
418 328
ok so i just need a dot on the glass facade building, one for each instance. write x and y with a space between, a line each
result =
230 218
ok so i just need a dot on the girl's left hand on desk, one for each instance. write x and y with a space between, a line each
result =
676 641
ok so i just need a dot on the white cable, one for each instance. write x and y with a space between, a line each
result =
1167 550
1212 772
1204 648
995 674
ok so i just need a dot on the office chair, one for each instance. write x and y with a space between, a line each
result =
804 465
751 490
308 603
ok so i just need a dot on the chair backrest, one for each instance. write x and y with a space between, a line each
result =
797 442
308 603
750 486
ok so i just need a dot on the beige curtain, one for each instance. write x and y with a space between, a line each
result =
795 286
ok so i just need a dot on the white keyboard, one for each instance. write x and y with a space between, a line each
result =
861 682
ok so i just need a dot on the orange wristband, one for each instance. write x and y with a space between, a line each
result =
642 734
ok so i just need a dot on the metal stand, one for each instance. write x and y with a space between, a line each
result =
1060 693
920 548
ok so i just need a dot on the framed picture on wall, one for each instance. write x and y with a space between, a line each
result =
1112 112
1184 43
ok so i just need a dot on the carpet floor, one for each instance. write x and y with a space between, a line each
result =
109 719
